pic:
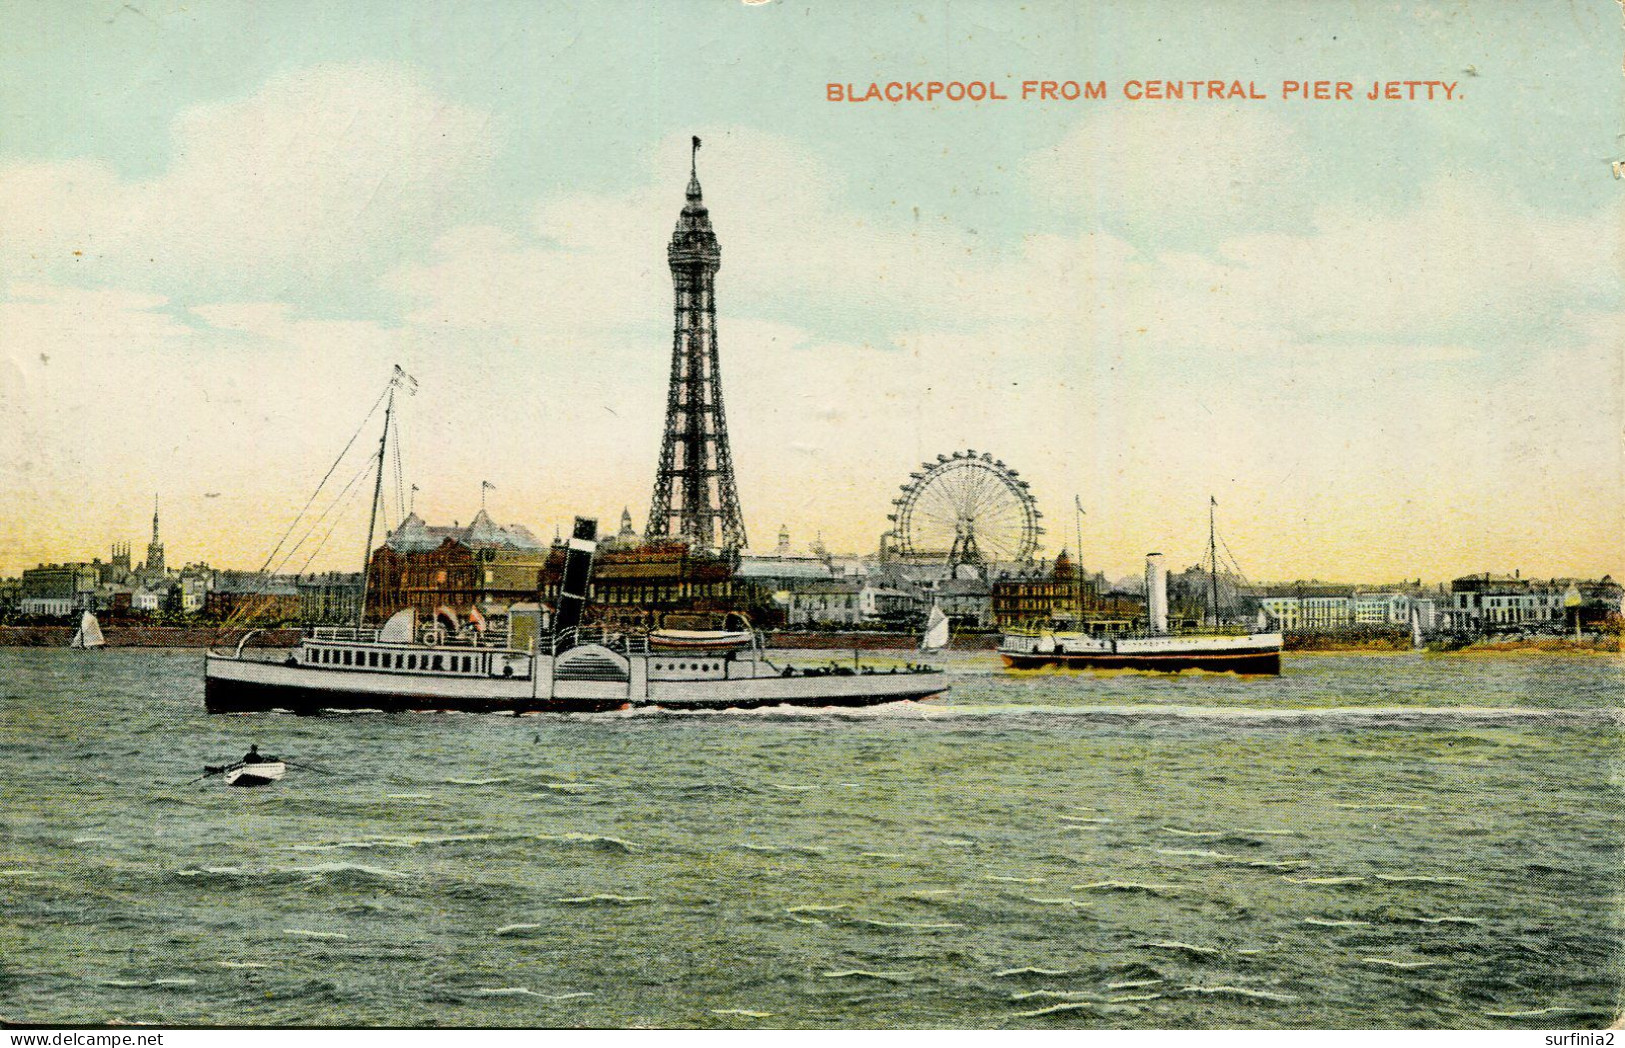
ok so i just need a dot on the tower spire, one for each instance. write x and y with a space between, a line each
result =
695 496
155 548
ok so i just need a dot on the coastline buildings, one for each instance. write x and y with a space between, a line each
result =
1040 598
891 606
641 584
330 598
1485 602
968 603
58 590
1488 602
253 599
656 584
62 590
694 563
635 584
1059 597
154 565
828 602
426 567
1320 607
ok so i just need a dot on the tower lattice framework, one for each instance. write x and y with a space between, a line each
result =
695 495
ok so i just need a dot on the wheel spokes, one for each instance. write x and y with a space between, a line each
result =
968 497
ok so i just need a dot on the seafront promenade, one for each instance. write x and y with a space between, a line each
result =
202 637
147 637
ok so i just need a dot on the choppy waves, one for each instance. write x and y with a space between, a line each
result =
1124 857
1151 714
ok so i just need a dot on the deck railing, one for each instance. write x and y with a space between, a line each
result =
615 640
621 641
1023 639
555 642
428 634
344 633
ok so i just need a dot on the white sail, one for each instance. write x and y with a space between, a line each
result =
89 633
936 631
1416 629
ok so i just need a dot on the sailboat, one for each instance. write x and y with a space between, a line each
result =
936 631
89 633
1417 640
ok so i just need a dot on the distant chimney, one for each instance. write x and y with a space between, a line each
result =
577 574
1156 593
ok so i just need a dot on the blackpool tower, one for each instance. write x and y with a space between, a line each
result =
695 497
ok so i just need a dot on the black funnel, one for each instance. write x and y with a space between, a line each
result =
577 575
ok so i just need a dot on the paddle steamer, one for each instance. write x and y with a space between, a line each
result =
532 665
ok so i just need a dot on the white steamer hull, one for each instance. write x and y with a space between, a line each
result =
1255 655
235 685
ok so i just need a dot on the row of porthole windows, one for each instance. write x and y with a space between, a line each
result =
391 660
702 666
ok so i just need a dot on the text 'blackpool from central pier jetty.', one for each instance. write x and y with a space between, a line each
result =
1154 90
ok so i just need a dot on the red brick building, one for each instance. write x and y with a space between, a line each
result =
640 587
1045 599
635 585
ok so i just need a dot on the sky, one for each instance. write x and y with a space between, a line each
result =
1385 336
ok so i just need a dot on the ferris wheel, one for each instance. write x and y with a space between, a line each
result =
966 508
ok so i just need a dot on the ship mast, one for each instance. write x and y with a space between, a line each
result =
1077 562
396 380
1213 555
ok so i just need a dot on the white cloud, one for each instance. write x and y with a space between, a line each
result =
1347 389
1465 254
1301 374
320 170
1167 167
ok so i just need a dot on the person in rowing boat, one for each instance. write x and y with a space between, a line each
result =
266 769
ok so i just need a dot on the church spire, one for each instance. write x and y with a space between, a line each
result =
155 548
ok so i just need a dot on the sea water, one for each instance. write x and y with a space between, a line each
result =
1394 841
